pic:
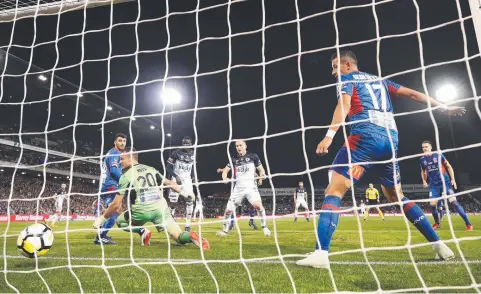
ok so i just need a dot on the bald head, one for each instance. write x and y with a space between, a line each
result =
241 147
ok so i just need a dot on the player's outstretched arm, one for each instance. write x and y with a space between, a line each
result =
339 116
225 173
423 98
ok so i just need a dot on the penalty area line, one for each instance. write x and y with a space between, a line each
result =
255 260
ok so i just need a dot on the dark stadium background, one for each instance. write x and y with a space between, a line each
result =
107 68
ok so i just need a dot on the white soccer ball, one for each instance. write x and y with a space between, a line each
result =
35 240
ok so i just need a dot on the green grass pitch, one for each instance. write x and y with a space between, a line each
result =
253 266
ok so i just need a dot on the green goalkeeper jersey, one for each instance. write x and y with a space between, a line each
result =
141 186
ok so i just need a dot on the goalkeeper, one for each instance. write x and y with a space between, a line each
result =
140 185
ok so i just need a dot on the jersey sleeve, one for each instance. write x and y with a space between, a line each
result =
228 164
346 86
257 160
421 165
173 157
392 87
443 159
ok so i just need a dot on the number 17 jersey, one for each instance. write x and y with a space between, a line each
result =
370 101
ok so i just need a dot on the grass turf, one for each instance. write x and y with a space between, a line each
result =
247 266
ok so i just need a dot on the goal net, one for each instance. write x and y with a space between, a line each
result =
75 73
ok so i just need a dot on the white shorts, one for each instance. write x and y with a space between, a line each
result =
186 186
301 202
363 211
198 207
239 193
58 204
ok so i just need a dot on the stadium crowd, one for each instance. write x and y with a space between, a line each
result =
27 190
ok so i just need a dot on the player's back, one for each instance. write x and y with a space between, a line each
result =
371 106
111 160
144 182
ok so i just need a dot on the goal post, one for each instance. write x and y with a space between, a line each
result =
18 9
475 7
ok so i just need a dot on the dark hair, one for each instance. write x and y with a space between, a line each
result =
301 181
345 54
121 135
135 155
427 142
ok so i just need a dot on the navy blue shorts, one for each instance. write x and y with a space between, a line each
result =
436 191
366 147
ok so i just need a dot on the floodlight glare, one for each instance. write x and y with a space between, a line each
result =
152 127
171 96
446 93
109 107
42 78
169 134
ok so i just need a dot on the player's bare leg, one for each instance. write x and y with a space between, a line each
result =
366 214
328 221
415 215
262 212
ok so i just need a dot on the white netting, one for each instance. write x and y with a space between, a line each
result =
72 79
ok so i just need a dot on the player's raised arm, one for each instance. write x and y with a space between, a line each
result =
423 98
161 181
339 116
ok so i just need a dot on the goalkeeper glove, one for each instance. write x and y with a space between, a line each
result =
99 222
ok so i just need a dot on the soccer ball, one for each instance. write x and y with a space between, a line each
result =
35 240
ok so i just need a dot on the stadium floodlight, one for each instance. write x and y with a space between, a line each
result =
152 127
80 94
171 96
446 93
133 118
169 134
42 78
1 170
109 107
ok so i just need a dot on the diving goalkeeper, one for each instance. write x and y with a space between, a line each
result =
141 185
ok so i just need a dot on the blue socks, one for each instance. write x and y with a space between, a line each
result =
109 223
434 209
416 216
327 221
461 212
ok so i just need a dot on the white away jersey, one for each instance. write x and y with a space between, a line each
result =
61 194
183 162
245 169
301 194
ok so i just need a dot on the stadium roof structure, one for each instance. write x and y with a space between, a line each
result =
26 92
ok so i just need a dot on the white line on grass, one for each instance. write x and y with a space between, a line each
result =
267 260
